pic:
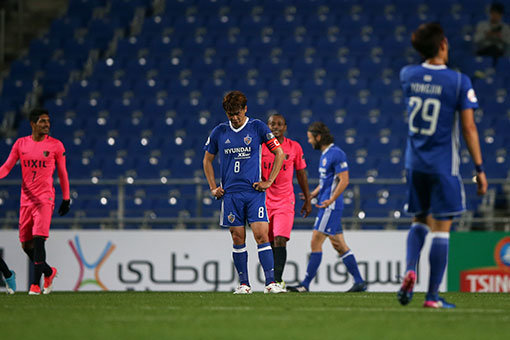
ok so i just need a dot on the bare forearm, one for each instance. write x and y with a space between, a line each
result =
303 183
315 191
339 190
209 174
473 144
278 162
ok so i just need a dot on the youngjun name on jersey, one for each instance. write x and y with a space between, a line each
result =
434 96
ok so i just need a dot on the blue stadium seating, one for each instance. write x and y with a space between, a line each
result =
158 92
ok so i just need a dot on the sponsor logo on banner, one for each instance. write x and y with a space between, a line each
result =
490 279
83 263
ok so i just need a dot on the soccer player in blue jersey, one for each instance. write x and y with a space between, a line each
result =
437 98
334 178
239 144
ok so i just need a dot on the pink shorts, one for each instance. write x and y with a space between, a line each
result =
281 222
34 220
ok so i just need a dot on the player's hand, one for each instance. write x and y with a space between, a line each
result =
262 185
306 209
218 192
324 204
64 207
481 183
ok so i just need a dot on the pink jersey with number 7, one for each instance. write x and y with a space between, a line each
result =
38 161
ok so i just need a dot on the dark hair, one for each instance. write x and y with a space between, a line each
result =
319 128
497 7
36 113
277 115
427 39
234 101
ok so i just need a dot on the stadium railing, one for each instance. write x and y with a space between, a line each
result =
119 216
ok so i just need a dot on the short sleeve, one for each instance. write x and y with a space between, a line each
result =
467 96
211 145
266 136
299 161
340 162
265 133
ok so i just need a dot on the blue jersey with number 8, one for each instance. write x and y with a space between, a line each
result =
434 97
240 153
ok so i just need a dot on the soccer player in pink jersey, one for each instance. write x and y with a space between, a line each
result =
280 197
38 155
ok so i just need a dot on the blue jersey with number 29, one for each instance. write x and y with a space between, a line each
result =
240 153
434 97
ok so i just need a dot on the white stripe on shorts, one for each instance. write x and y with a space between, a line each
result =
325 220
439 234
221 212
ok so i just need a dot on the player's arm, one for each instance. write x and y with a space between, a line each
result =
302 179
64 182
315 192
216 191
470 133
277 165
344 182
6 168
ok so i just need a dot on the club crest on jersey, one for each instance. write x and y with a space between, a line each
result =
231 218
46 153
324 162
286 156
247 140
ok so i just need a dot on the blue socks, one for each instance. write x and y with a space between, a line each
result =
352 266
266 259
240 256
415 240
313 264
315 261
438 259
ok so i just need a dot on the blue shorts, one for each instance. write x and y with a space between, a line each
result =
241 207
437 194
329 221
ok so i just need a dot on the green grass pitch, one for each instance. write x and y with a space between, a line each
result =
209 315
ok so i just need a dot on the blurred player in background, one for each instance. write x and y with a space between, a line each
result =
280 198
38 155
435 95
241 189
334 178
9 276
